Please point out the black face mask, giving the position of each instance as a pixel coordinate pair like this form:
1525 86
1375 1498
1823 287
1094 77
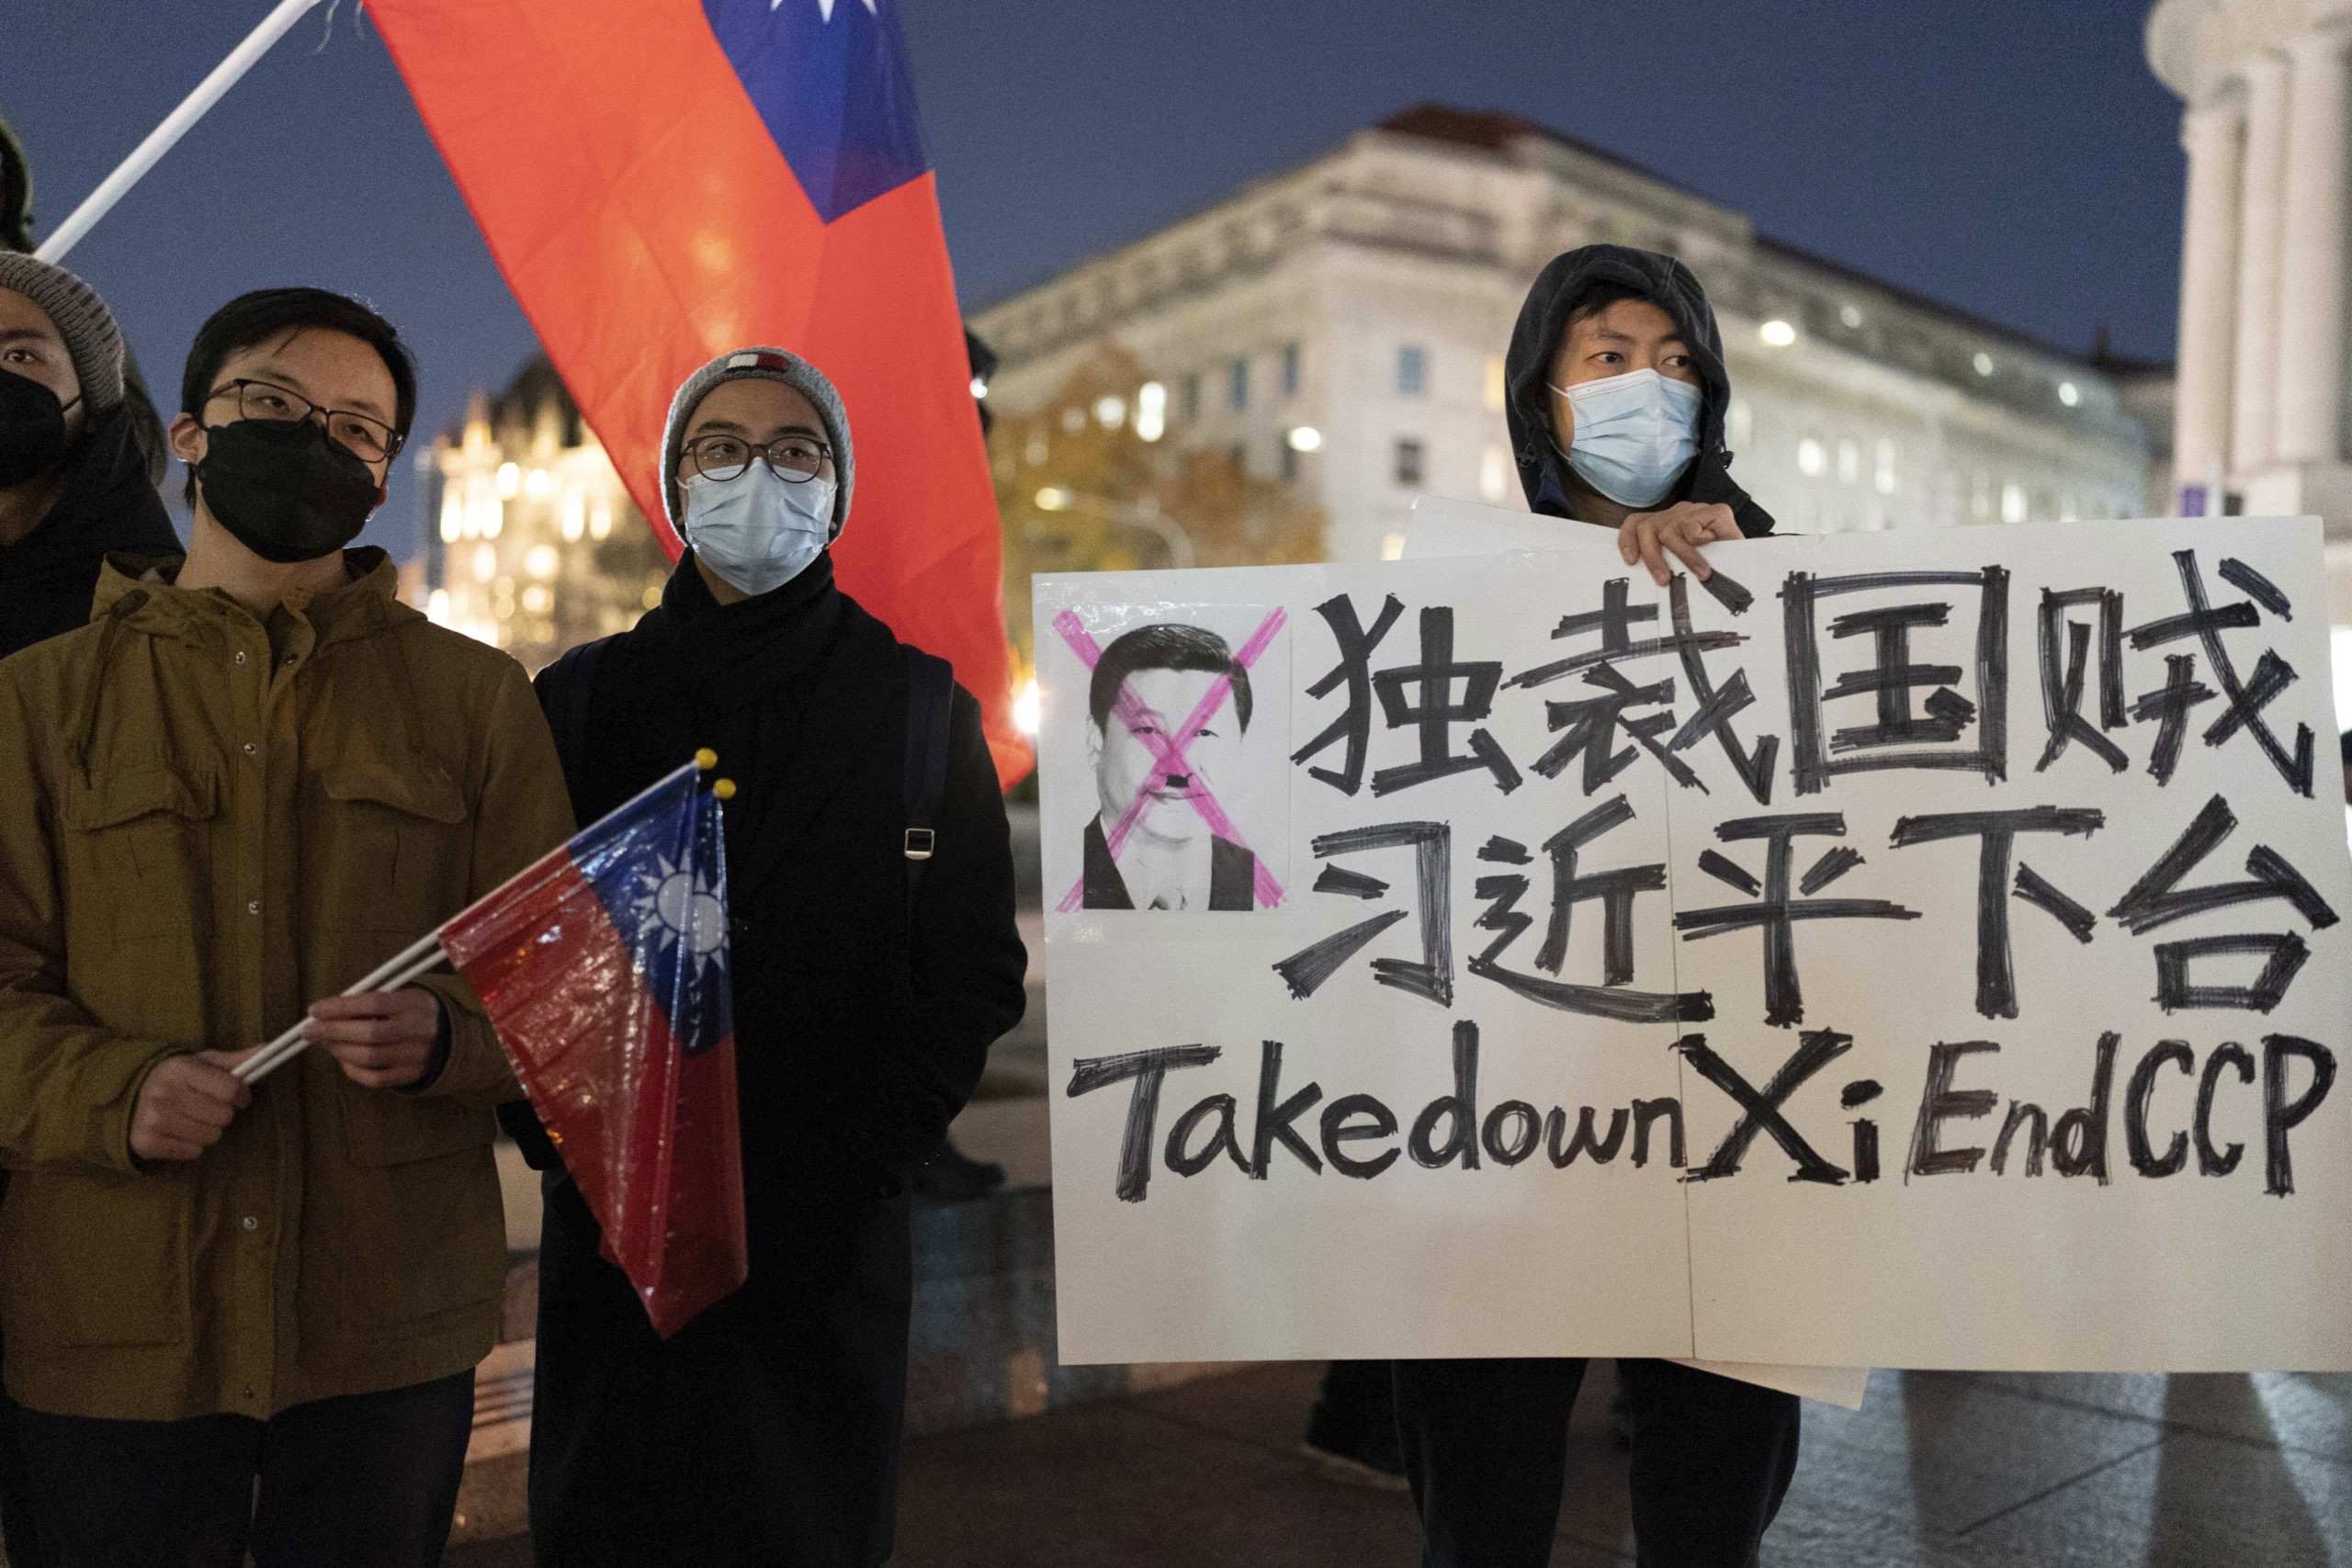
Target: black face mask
32 428
284 490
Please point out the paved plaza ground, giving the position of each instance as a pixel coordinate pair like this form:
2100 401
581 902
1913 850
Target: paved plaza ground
1938 1469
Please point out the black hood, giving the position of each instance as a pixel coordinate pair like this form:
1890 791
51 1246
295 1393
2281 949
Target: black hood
49 577
1670 286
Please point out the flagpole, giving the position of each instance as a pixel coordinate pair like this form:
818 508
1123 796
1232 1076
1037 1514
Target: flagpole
389 976
176 125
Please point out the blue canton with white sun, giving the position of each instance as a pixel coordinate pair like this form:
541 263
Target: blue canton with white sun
673 914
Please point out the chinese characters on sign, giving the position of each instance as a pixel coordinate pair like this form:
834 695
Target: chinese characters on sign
1758 968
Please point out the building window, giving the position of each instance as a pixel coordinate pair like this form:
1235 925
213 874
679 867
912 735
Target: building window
1392 547
1290 370
2013 508
1494 473
1237 384
1885 478
1497 384
1850 461
1412 370
1812 458
1289 463
1409 463
1192 399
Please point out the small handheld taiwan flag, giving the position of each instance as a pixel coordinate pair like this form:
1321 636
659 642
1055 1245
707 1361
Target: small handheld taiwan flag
604 967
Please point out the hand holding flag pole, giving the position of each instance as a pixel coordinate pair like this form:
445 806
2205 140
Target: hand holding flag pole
426 954
604 968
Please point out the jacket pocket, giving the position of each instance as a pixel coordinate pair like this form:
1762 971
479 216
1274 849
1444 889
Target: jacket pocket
94 1259
391 851
140 832
417 1216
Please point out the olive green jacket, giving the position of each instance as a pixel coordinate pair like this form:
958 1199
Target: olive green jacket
206 821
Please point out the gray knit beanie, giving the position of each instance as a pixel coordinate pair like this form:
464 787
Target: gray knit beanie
82 319
767 365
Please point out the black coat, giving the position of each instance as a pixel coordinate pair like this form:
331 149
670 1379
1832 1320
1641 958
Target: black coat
1535 338
49 577
766 1431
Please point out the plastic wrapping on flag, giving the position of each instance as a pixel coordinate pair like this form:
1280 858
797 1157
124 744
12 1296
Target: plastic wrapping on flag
604 968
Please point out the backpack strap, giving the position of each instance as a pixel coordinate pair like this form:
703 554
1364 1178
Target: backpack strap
564 689
931 700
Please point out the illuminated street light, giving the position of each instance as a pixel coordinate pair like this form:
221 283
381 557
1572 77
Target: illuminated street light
1777 334
1306 438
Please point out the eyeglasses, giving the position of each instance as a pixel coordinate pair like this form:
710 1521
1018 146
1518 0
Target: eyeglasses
795 459
369 440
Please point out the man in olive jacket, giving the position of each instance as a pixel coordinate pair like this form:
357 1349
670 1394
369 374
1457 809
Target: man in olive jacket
253 777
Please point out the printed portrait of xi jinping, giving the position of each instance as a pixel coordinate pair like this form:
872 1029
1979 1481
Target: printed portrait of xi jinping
1150 845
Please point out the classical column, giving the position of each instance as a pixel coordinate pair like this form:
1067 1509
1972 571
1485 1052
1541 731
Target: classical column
2208 276
2255 385
2310 261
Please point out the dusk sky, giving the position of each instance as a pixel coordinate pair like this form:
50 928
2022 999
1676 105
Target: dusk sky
2013 157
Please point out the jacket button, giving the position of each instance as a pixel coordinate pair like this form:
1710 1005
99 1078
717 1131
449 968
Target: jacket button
254 907
251 1223
240 656
251 748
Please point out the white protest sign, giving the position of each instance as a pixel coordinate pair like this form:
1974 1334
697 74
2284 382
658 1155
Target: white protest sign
1918 949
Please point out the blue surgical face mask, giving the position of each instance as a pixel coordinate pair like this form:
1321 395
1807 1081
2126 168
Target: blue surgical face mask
1636 435
755 530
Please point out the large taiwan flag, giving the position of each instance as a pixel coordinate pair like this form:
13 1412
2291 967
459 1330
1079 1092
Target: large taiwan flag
663 180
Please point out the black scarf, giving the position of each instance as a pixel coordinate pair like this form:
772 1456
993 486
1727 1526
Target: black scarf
49 577
695 672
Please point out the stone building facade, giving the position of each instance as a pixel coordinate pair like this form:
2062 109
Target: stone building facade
2261 416
1341 325
530 540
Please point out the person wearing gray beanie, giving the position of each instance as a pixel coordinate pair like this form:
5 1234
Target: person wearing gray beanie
763 364
74 482
873 956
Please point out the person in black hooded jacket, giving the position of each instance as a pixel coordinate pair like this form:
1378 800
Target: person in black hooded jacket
75 483
1617 394
766 1429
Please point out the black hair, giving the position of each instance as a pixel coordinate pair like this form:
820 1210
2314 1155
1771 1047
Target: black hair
2343 744
1164 647
253 318
1595 298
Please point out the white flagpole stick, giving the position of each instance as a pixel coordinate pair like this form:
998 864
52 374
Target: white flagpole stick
176 125
393 973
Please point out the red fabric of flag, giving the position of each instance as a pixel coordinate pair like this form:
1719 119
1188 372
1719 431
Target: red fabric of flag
661 181
604 968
